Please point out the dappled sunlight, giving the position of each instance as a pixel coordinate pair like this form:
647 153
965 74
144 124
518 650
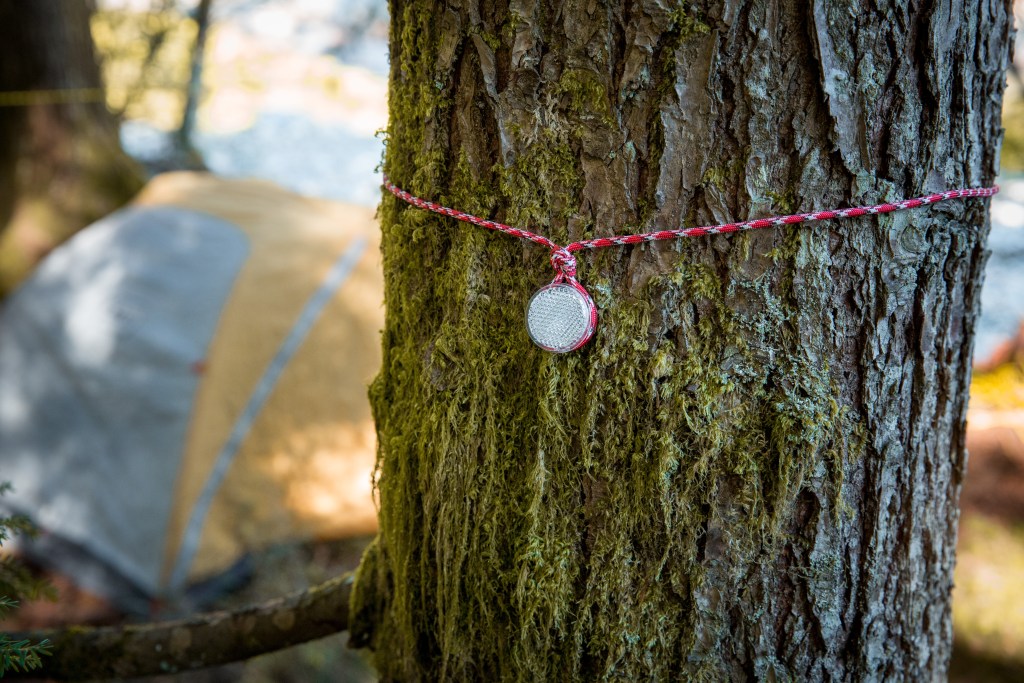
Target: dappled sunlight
246 77
286 87
330 486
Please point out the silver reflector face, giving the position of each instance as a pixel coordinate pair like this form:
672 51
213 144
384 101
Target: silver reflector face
560 318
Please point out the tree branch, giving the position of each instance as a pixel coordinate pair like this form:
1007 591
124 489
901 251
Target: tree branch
202 641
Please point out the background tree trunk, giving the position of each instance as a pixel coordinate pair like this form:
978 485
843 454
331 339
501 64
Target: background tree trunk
61 163
194 89
753 471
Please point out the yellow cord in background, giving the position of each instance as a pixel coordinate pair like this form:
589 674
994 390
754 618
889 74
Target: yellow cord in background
25 98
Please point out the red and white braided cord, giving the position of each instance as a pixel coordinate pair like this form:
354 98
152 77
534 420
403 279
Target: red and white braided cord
565 263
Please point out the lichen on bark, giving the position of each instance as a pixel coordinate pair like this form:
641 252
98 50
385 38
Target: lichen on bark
716 487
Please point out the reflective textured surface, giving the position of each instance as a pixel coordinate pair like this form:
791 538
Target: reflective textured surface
560 318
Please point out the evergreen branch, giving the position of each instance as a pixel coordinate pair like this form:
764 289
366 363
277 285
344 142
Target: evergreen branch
15 525
21 656
18 654
18 580
199 642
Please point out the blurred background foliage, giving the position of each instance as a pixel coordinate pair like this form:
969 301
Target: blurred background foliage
1013 121
145 58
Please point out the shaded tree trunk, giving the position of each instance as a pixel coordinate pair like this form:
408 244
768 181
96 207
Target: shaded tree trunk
752 472
61 163
194 89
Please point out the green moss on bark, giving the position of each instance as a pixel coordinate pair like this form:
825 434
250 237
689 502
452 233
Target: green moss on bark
556 517
586 93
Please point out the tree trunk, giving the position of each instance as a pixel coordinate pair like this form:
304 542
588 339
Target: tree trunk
752 471
194 90
61 163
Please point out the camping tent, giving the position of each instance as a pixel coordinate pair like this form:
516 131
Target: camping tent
185 381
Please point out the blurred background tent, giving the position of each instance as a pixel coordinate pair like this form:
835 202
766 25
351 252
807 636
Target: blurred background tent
185 380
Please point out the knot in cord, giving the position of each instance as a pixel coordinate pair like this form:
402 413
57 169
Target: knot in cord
564 262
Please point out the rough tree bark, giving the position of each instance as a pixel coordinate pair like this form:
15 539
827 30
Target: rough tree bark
753 471
61 163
